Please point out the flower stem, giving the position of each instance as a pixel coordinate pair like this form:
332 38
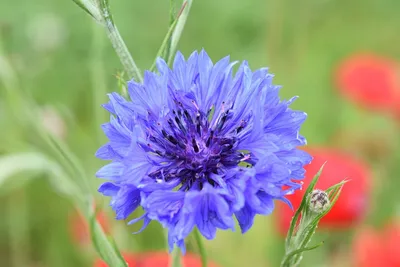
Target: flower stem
27 109
202 250
99 88
176 260
18 215
118 43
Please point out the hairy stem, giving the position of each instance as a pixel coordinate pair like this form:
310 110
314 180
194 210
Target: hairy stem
118 43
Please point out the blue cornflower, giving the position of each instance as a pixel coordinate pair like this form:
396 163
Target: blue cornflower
197 145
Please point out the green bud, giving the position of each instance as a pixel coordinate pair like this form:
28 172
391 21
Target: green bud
319 201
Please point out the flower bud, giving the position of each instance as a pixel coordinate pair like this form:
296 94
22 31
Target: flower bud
319 201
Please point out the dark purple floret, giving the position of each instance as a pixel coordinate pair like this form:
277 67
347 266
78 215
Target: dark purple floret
195 149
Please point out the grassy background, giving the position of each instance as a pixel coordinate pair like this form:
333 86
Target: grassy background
301 41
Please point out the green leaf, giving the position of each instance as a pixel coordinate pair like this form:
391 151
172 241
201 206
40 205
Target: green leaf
33 163
121 82
172 5
105 246
302 206
89 8
13 164
176 35
164 44
308 231
299 251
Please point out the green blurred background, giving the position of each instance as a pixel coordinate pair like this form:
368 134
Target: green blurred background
64 61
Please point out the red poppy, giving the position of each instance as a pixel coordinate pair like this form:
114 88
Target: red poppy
130 258
352 202
79 228
373 248
370 80
157 259
391 241
367 249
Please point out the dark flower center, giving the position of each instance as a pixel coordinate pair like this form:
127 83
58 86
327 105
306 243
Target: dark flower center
194 146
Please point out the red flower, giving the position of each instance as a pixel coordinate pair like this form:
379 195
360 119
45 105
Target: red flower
130 258
352 202
372 248
367 249
79 228
370 80
157 259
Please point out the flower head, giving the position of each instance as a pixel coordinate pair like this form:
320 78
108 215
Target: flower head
372 248
197 145
319 201
370 80
352 203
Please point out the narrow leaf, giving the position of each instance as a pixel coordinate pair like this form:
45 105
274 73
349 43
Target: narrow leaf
298 251
303 203
89 8
167 38
178 30
106 248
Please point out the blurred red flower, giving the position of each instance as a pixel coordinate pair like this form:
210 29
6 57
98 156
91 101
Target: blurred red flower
372 248
370 80
351 205
79 228
157 259
130 258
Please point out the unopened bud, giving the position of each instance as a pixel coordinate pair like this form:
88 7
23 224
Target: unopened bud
319 201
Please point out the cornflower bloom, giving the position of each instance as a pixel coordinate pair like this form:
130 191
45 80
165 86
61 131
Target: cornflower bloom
197 145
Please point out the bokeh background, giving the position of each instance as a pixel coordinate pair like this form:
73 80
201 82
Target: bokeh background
341 57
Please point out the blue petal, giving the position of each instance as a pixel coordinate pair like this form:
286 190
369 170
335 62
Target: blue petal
111 171
211 211
164 206
267 202
126 201
288 120
109 189
245 217
146 221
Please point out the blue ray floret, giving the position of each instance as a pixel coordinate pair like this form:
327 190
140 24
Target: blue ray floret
199 145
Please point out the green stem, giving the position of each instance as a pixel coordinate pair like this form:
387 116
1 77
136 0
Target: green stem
178 30
99 88
200 245
176 259
118 43
28 111
18 228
